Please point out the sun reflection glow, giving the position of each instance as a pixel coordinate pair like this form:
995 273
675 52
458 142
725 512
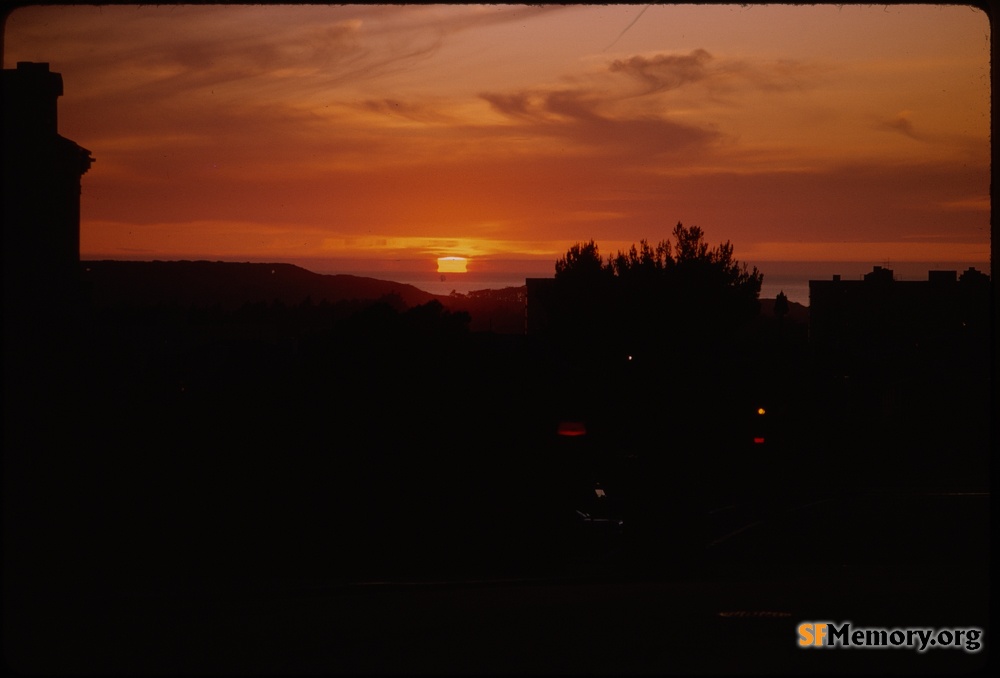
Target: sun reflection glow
452 265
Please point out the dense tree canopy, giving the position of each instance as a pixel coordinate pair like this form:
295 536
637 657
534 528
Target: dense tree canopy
688 260
653 299
655 333
583 260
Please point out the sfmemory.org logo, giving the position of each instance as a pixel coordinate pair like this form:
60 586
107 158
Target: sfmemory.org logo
828 635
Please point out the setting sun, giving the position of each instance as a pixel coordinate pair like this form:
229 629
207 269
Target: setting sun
452 265
368 138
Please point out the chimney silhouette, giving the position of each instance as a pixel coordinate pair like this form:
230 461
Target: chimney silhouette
30 101
41 192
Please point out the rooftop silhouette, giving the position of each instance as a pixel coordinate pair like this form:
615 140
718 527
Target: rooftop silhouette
42 180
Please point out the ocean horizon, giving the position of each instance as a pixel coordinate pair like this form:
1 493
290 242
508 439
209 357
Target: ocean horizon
790 277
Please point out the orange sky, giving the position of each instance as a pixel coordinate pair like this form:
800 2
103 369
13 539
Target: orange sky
301 133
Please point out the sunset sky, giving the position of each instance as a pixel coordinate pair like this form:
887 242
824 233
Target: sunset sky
313 134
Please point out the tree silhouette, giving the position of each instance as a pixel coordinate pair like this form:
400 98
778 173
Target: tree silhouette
657 360
662 319
689 260
780 305
645 261
582 262
653 295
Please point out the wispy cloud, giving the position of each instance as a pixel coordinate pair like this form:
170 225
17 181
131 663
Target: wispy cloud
503 123
514 103
665 71
406 109
576 115
902 124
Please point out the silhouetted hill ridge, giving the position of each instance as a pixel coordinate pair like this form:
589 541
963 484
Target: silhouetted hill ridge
112 283
231 285
797 313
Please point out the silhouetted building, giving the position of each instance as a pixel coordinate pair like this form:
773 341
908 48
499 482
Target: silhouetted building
879 276
880 324
41 193
536 309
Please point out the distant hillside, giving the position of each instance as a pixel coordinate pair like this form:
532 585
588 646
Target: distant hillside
231 285
797 313
493 310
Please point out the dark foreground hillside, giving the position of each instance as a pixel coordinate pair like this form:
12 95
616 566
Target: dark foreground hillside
228 286
358 436
166 448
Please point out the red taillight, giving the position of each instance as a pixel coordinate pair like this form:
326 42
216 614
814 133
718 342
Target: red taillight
758 441
572 428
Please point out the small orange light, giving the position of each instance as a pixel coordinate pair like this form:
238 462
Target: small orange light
760 410
758 441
